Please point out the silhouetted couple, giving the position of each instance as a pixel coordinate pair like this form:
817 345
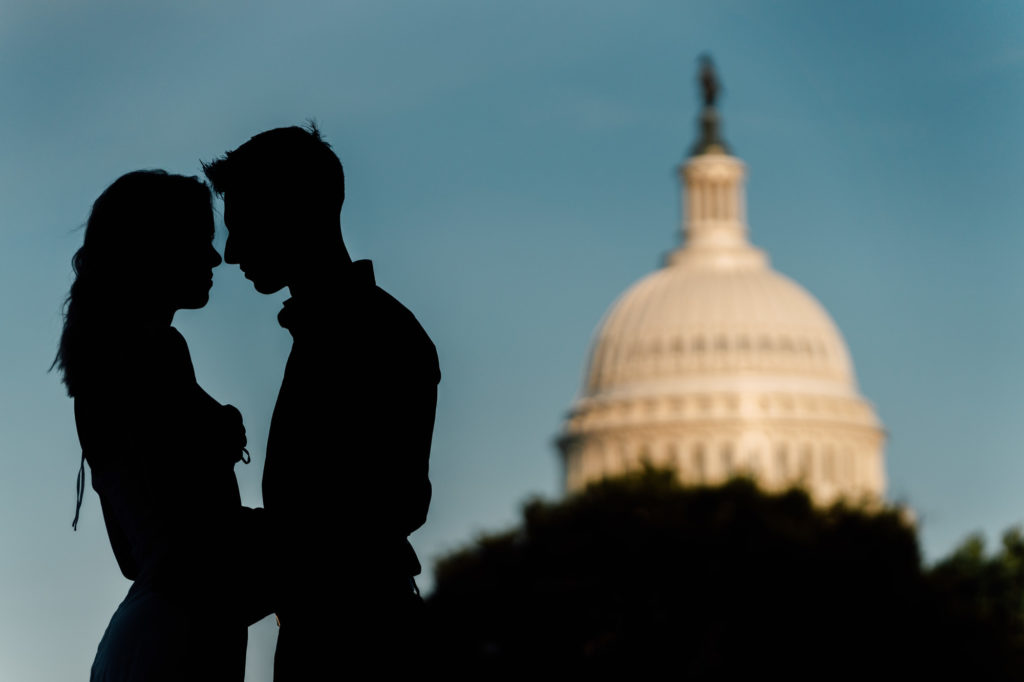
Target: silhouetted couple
346 463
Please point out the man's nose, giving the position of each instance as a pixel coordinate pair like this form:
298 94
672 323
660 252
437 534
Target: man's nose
215 258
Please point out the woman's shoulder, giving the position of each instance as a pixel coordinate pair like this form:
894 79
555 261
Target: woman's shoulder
143 395
164 344
154 350
136 363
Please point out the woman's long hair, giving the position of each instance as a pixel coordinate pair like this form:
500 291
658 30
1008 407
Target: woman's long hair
126 237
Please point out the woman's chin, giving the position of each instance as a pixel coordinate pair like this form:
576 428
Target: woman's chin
196 301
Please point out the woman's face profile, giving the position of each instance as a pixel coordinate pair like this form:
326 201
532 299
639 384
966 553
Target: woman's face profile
186 275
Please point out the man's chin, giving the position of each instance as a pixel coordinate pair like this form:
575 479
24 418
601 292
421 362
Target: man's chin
268 288
263 284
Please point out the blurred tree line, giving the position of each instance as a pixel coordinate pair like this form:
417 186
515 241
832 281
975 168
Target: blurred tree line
641 577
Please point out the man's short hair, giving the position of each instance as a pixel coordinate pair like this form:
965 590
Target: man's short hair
291 158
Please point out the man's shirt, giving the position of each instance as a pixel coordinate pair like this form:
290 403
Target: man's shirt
347 455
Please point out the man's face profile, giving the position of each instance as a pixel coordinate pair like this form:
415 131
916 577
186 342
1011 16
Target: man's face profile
255 230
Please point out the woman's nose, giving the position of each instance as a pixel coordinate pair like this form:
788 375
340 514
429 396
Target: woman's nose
215 258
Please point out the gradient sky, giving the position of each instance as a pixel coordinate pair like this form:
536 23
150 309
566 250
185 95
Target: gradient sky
510 172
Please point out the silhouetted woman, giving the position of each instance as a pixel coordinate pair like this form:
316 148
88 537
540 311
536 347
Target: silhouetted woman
161 451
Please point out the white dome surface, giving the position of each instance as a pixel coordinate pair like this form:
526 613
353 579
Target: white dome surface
683 323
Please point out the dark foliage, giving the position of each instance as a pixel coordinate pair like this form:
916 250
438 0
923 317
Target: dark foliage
641 576
984 602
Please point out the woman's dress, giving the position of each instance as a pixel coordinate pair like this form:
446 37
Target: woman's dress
162 455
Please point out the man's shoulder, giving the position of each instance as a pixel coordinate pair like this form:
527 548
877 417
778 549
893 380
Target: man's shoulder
371 327
392 313
395 329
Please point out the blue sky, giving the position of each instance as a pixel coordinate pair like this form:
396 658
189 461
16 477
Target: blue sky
510 172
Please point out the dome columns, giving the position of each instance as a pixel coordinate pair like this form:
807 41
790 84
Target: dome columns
714 223
829 465
713 203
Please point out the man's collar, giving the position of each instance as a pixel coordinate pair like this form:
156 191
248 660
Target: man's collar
361 273
349 282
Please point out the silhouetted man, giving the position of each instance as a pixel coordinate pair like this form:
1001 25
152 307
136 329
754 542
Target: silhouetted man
346 470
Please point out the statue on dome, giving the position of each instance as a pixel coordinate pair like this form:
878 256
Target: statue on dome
709 80
709 138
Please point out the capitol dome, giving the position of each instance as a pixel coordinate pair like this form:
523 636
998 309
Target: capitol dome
717 366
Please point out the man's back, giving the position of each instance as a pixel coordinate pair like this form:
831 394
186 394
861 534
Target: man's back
347 459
